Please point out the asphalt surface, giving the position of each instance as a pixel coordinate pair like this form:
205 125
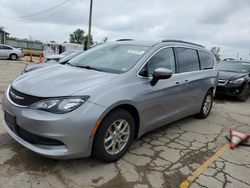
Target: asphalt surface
162 158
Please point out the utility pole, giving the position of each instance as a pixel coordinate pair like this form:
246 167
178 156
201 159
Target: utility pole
4 36
83 41
90 23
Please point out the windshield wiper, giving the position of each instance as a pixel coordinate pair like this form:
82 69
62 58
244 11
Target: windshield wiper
89 67
68 63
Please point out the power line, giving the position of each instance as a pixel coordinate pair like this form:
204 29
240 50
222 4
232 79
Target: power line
33 19
41 12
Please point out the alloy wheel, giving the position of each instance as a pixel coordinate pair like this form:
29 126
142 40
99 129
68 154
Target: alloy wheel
207 104
117 136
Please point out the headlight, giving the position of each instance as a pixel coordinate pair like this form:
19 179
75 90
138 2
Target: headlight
238 81
59 105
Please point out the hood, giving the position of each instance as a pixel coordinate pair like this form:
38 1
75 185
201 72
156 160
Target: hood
59 80
227 75
38 66
34 67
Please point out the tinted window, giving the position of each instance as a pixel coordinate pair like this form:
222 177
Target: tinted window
207 60
162 59
6 48
188 59
234 67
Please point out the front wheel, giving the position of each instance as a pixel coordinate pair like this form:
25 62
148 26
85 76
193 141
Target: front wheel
244 94
13 57
114 136
206 105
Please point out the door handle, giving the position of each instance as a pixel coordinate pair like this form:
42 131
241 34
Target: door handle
182 82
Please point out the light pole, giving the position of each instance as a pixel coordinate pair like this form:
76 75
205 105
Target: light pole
90 23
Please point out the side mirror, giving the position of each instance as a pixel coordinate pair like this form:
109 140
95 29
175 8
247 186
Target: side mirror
160 74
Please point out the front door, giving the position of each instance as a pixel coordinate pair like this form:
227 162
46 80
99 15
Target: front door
162 103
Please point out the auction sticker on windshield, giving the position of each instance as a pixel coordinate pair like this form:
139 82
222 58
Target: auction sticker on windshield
137 52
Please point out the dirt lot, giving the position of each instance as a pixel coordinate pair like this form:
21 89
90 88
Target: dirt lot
162 158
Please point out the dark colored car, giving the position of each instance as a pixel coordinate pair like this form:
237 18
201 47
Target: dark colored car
234 79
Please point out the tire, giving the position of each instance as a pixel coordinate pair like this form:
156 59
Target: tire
244 94
13 57
207 105
101 149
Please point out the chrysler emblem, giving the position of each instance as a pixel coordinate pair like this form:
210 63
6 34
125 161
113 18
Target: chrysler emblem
16 96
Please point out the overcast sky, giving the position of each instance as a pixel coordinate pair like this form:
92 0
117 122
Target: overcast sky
224 23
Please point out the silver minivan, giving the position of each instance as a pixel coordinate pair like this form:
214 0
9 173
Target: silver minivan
98 102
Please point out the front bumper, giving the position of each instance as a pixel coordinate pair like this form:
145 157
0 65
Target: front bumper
229 89
73 130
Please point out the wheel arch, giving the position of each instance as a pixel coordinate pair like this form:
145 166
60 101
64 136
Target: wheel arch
131 109
211 89
13 54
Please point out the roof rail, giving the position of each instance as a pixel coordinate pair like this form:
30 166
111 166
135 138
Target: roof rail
181 41
124 39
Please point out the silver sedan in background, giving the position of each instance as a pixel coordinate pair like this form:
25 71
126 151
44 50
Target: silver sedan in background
9 52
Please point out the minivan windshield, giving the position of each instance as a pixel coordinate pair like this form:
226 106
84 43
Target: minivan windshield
113 58
234 67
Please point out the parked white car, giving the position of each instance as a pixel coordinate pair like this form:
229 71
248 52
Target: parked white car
8 52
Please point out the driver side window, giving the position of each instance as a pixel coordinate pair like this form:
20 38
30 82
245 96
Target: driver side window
162 59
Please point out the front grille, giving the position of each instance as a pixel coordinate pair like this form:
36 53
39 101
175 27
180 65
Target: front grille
222 82
21 98
35 139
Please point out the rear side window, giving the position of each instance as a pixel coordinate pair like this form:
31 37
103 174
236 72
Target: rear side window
162 59
207 60
188 60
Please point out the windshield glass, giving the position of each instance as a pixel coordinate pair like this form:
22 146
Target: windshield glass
114 58
234 67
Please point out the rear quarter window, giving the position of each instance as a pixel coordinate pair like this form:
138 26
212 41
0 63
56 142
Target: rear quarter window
206 60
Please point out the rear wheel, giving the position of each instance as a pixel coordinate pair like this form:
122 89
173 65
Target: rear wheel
244 94
206 105
13 57
114 136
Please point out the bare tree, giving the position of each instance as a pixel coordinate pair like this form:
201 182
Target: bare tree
216 52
